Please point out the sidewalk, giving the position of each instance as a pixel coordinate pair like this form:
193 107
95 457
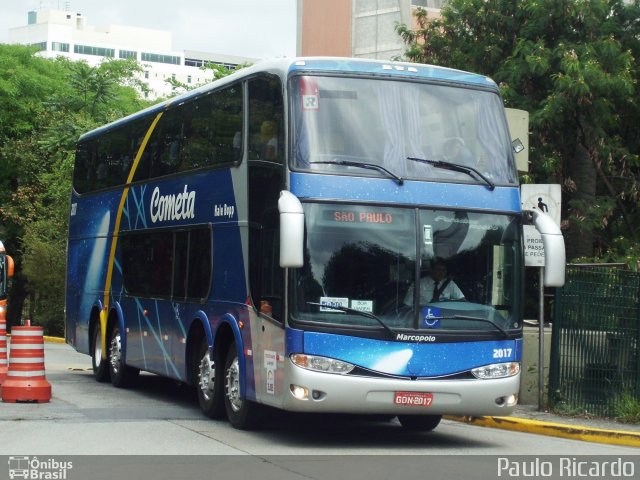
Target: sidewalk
527 418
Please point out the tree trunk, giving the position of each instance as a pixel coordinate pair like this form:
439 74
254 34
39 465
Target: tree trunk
580 236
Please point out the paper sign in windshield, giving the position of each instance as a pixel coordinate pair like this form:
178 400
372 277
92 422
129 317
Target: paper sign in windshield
327 302
361 305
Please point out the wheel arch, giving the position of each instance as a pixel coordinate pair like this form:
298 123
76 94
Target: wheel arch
229 326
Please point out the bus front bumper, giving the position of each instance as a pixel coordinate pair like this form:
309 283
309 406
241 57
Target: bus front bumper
310 391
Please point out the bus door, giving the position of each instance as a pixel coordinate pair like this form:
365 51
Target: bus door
269 359
268 296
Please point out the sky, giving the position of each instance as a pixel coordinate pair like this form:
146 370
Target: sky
248 28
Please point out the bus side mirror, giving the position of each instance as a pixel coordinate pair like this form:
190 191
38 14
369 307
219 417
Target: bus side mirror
554 254
9 266
291 230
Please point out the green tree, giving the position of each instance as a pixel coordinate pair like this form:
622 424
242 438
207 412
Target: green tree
45 105
571 64
218 70
44 223
26 83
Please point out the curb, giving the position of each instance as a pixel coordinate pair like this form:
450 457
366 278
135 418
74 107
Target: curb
574 432
53 339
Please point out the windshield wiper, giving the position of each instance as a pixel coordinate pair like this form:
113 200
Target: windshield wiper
456 167
370 166
357 312
468 317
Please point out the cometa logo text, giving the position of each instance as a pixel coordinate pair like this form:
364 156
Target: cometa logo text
172 207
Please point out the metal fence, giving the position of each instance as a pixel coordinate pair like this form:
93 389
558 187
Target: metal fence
595 362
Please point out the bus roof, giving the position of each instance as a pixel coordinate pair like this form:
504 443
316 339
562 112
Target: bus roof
388 68
315 65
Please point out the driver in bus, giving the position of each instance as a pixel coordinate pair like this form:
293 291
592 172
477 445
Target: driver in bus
436 287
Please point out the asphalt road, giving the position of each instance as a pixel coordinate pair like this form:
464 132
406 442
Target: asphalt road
162 418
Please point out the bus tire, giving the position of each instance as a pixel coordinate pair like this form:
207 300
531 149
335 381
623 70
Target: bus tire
243 414
121 375
100 366
209 382
419 423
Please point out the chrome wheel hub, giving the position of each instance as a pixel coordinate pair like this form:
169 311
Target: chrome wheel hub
206 376
233 385
115 352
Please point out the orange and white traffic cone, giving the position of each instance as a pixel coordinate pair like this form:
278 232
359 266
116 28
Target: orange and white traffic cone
25 381
3 345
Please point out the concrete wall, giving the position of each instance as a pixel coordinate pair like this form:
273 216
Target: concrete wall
374 34
530 365
324 28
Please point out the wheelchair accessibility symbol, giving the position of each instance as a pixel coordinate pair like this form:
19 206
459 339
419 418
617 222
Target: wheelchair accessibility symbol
431 317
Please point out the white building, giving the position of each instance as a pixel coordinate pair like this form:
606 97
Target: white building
63 33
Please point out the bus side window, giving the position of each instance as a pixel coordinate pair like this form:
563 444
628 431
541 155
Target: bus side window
266 120
226 124
165 264
85 169
192 264
266 180
200 269
266 276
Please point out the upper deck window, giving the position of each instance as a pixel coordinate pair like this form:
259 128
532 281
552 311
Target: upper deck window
204 132
383 122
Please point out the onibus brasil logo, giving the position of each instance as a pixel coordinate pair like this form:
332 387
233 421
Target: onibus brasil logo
38 469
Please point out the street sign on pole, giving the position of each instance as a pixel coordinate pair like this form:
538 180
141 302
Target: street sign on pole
546 198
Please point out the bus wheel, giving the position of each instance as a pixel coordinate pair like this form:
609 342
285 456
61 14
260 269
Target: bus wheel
209 382
242 414
121 374
419 423
100 366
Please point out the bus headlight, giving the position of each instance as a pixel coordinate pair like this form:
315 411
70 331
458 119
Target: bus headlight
321 364
497 370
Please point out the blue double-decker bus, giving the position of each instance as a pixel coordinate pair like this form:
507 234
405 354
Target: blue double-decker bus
313 234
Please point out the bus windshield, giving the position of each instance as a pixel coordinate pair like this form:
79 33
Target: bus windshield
366 260
339 123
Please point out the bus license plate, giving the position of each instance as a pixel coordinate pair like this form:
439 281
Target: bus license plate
413 399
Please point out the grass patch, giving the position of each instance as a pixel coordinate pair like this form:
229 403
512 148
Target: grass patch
627 409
